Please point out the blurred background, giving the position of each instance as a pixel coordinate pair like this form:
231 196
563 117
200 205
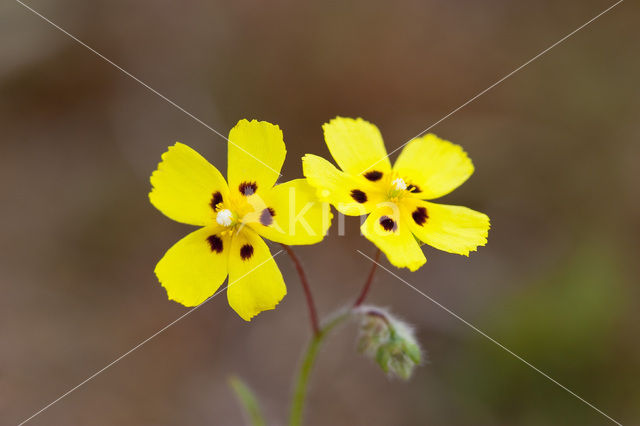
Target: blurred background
556 153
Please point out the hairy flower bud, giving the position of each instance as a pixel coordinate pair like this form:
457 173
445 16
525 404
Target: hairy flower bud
390 342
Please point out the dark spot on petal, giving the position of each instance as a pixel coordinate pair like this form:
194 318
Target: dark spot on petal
266 217
248 188
413 188
373 175
216 199
246 252
387 223
359 196
215 243
420 216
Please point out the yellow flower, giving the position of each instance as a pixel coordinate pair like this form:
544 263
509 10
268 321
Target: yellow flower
233 217
427 168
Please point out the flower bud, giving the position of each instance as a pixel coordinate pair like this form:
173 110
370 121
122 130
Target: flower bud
390 342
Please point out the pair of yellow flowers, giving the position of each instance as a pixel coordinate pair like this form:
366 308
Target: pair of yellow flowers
234 216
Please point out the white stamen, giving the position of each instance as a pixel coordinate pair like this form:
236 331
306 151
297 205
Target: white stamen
399 184
224 217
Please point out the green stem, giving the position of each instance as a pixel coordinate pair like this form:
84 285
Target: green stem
302 382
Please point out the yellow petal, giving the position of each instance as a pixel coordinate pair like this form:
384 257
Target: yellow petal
386 229
453 229
255 282
356 145
292 214
256 154
195 267
184 186
434 165
351 195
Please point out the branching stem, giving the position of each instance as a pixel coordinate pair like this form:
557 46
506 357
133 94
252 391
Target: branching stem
302 381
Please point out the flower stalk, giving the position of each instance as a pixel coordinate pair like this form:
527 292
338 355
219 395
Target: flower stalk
313 313
367 284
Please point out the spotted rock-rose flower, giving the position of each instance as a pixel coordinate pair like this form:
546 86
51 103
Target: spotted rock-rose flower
233 219
395 198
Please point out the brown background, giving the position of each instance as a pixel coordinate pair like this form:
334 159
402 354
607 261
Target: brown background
556 154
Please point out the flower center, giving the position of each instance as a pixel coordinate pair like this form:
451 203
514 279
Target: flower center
224 217
399 184
397 188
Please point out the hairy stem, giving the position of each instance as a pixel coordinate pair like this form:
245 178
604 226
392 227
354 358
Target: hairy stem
302 381
367 284
313 314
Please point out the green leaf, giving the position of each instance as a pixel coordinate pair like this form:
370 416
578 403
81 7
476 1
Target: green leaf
248 401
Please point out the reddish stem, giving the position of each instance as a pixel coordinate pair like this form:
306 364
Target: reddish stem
313 314
367 283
